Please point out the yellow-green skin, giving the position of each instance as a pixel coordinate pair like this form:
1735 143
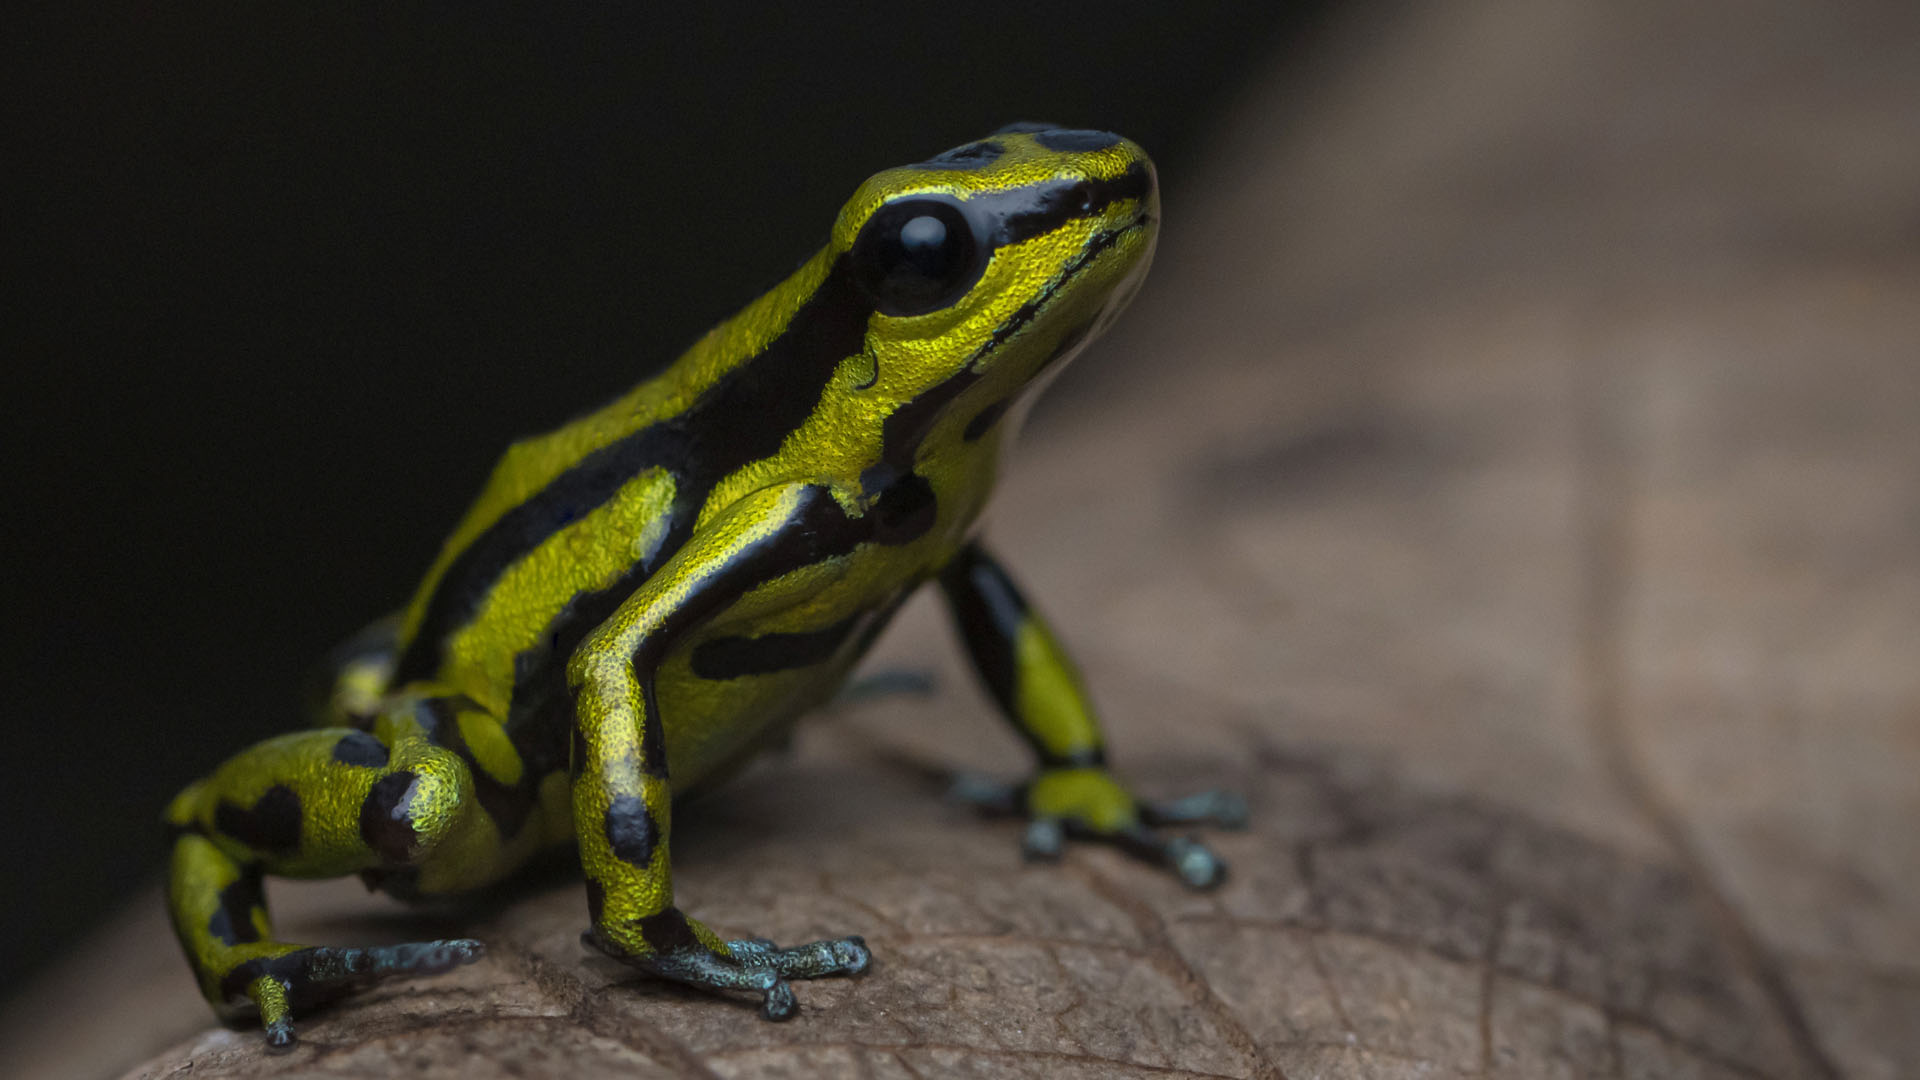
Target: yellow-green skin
640 599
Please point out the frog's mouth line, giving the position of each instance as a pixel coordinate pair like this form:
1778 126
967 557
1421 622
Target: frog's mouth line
1031 309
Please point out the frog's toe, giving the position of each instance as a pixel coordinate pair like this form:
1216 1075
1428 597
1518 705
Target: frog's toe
1189 857
754 964
994 798
1089 805
269 995
319 973
355 965
1044 840
702 968
771 966
1191 860
1225 809
834 956
779 1004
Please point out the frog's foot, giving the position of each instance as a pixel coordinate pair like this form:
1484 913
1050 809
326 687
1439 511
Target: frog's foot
754 964
1086 802
303 976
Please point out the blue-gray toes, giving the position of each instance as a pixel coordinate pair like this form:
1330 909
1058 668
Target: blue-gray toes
322 972
1225 809
1195 863
1043 840
987 795
780 1004
1191 860
835 956
757 964
888 682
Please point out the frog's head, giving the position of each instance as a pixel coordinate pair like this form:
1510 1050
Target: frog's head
986 268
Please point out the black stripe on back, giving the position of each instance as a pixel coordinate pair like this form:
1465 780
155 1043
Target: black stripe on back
742 417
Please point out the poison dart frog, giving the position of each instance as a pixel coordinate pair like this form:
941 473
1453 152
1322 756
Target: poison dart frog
645 596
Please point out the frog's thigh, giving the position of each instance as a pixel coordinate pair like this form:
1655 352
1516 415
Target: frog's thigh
328 802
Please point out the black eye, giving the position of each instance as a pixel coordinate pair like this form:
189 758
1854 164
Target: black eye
916 256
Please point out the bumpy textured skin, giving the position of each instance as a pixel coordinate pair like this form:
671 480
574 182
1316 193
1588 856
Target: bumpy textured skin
640 599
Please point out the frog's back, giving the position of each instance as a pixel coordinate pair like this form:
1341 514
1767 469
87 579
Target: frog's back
573 520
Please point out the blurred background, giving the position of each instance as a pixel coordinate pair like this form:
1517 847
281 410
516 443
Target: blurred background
286 280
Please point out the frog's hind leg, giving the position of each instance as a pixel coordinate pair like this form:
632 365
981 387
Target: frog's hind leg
220 915
1028 673
314 804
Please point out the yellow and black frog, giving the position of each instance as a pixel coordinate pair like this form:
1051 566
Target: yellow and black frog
642 598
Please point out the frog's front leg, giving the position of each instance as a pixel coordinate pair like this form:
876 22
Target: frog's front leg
622 795
1037 687
319 803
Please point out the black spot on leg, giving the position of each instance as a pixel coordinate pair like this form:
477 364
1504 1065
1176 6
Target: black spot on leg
631 831
232 921
360 749
271 825
668 932
385 823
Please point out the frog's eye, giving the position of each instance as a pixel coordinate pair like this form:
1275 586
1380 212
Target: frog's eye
917 255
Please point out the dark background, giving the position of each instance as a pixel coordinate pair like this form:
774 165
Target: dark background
285 281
